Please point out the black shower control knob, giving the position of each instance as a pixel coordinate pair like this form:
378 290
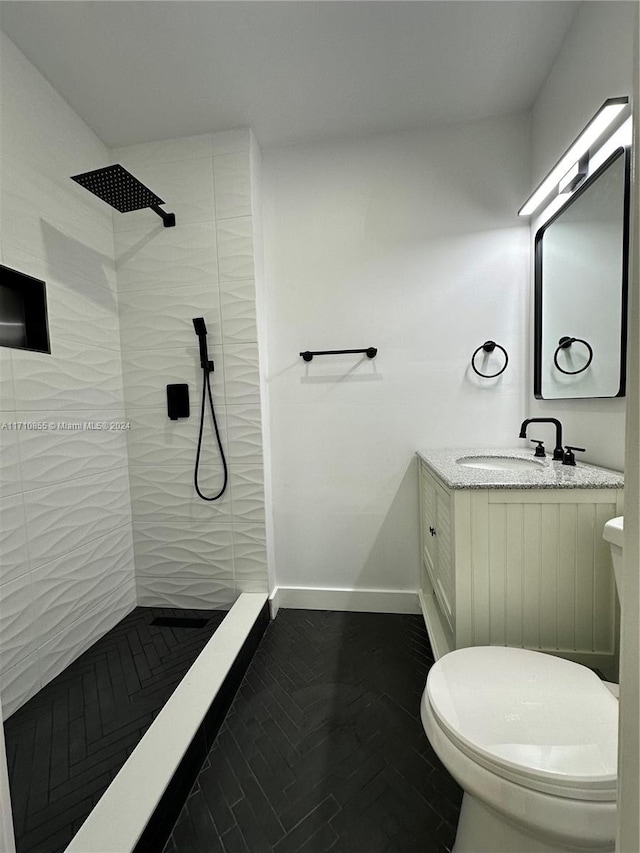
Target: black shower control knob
432 531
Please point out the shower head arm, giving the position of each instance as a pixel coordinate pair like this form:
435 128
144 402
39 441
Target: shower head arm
169 219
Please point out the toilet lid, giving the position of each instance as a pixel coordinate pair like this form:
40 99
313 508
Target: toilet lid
534 718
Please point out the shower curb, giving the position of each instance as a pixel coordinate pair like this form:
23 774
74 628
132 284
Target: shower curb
138 810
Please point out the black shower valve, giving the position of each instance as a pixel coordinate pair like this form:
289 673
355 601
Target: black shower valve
178 401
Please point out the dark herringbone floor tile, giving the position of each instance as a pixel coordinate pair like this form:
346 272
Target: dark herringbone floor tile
323 748
66 744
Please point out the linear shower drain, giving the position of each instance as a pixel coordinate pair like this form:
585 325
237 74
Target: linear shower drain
179 622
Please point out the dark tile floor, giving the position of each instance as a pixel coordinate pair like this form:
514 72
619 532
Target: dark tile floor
323 747
66 744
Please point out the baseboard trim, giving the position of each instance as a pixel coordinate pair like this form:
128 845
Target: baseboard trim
138 810
274 603
355 600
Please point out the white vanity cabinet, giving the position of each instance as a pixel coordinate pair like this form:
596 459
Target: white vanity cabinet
521 567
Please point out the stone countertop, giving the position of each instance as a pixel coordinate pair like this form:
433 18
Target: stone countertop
551 475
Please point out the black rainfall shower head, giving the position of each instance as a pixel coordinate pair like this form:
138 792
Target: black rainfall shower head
200 326
119 188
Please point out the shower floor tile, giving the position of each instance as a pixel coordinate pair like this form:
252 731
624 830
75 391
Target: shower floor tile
323 747
69 741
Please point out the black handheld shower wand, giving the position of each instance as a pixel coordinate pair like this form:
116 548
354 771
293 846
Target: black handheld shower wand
207 367
201 331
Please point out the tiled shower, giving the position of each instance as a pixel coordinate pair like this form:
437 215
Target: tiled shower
189 552
96 520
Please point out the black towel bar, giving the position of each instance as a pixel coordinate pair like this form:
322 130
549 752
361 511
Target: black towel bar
307 355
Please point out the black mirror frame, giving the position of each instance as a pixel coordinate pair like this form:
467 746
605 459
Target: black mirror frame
537 334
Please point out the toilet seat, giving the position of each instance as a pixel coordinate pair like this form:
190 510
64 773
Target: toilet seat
542 722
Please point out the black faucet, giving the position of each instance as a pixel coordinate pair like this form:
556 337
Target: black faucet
558 453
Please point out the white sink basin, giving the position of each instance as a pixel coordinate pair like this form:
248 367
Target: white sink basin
499 463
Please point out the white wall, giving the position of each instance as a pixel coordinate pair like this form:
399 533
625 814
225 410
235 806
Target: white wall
409 242
596 62
65 519
191 553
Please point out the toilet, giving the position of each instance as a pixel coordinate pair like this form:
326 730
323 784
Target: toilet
532 739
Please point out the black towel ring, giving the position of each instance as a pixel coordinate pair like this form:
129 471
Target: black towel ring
564 343
489 346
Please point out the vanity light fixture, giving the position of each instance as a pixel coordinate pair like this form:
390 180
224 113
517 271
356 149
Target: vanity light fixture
574 177
609 116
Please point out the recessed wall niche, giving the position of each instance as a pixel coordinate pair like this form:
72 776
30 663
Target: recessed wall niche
23 311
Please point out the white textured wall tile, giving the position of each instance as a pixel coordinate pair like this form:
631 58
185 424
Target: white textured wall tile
60 233
166 151
155 440
186 187
155 319
82 313
17 621
184 553
196 549
66 588
49 136
244 434
235 248
238 318
242 379
228 141
7 401
76 638
231 177
201 593
168 495
66 516
250 557
247 490
19 684
71 447
151 259
99 273
10 474
147 374
14 555
238 290
52 216
70 378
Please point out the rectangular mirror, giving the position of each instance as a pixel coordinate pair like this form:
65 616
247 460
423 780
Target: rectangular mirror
581 274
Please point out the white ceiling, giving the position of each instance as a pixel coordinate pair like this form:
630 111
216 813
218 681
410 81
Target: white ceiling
293 71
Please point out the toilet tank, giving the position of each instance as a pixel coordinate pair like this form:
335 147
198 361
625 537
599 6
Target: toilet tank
614 534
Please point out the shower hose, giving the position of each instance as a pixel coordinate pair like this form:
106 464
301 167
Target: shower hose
206 390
